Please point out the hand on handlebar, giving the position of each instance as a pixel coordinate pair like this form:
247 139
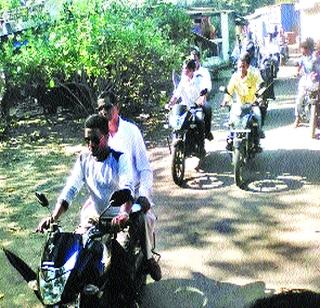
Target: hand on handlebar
120 220
44 224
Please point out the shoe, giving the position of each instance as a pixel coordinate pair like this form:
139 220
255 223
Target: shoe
209 136
261 134
154 269
296 122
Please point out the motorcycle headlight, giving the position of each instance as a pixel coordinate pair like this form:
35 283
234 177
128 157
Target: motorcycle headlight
52 281
52 285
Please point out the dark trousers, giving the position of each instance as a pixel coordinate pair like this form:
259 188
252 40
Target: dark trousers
207 110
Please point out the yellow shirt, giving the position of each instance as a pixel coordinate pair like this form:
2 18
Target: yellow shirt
245 88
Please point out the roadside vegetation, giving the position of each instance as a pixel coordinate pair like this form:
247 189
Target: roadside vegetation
88 48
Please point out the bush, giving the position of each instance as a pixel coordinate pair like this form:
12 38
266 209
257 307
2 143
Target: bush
93 47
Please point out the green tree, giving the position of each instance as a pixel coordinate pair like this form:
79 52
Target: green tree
95 46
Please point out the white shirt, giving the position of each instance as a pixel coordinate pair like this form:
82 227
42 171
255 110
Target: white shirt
206 78
128 139
101 178
189 89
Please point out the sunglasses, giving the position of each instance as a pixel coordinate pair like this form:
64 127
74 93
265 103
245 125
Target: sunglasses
93 139
104 107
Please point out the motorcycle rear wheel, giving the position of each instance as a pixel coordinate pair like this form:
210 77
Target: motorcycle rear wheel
238 165
178 163
313 120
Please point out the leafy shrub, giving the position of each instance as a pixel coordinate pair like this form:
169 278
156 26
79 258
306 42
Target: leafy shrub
95 46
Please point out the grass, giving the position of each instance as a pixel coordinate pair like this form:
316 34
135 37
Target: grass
37 157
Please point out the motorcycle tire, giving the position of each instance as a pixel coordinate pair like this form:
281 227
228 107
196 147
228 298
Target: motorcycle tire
313 120
238 165
178 163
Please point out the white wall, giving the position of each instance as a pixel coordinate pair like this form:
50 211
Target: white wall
310 23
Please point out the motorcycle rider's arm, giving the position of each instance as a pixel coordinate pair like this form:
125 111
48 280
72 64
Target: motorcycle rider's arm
59 209
177 93
144 169
125 182
74 183
229 91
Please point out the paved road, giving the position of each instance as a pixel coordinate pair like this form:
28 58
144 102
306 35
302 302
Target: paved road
224 247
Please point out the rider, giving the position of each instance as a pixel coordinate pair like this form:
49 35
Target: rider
126 137
191 89
103 170
207 84
305 67
245 83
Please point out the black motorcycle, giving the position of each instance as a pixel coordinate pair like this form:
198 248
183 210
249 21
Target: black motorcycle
243 140
311 110
187 137
90 269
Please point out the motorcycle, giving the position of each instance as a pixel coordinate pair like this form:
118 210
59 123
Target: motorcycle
275 63
90 269
187 137
311 110
244 138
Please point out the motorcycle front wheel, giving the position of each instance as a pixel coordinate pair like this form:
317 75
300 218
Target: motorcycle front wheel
178 163
238 165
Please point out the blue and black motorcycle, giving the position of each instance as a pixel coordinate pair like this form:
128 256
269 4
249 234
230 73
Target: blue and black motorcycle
90 269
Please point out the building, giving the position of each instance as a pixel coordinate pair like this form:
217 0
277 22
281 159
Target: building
265 19
309 18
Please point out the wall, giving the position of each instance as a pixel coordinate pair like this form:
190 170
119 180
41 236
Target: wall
309 23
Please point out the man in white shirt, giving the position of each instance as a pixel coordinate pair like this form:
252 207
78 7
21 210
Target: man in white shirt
191 91
103 170
206 84
126 137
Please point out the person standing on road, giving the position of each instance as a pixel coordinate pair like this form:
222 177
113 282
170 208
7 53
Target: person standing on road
126 137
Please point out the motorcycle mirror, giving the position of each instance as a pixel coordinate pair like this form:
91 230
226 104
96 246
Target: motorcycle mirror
42 199
120 197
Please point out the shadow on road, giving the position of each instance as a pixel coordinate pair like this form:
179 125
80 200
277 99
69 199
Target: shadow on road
283 170
279 117
201 291
214 171
271 171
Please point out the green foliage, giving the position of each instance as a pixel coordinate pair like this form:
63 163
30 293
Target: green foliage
94 46
8 4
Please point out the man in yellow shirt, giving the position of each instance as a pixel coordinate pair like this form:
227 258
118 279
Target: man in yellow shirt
245 82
